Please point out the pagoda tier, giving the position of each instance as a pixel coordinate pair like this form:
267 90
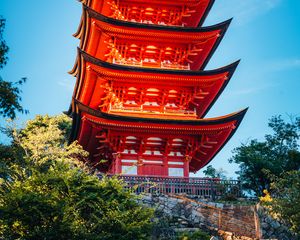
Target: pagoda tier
148 46
190 13
156 93
142 146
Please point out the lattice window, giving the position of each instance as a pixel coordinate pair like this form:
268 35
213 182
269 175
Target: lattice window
176 172
129 170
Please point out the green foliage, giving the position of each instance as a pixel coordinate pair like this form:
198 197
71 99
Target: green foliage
211 172
9 91
3 46
45 195
44 141
197 235
10 98
286 199
278 153
66 203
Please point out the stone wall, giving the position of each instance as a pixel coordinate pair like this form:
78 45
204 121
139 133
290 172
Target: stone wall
232 222
272 228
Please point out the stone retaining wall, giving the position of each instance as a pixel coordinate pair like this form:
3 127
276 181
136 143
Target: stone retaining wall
273 229
232 222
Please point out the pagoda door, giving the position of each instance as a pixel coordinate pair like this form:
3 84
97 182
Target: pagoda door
153 170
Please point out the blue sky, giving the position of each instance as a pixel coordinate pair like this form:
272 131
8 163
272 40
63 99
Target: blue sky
265 34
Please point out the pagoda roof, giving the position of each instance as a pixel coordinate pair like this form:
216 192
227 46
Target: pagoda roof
194 16
98 16
213 82
207 38
88 57
176 124
219 130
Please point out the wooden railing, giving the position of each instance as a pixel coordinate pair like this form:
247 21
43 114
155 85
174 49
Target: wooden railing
203 187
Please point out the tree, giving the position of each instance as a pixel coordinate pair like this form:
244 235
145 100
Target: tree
9 91
45 195
3 46
67 203
211 172
286 199
197 235
278 153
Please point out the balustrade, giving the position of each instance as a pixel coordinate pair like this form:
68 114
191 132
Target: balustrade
202 187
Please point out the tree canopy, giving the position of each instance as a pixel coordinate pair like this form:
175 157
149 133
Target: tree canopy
3 46
286 198
10 92
212 172
45 195
276 154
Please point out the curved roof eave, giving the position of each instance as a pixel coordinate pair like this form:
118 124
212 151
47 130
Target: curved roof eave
230 68
203 18
237 116
238 123
209 7
92 13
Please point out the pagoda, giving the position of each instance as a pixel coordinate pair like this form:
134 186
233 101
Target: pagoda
141 92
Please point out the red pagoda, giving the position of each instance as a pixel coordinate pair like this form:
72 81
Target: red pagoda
141 91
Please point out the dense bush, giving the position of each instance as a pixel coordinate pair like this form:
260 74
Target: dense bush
197 235
45 195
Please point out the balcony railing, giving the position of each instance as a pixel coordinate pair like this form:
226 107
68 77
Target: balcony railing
212 188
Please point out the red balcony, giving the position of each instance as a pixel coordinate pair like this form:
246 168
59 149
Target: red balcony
212 188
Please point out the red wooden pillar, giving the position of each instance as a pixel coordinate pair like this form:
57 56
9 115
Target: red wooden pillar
187 166
118 164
